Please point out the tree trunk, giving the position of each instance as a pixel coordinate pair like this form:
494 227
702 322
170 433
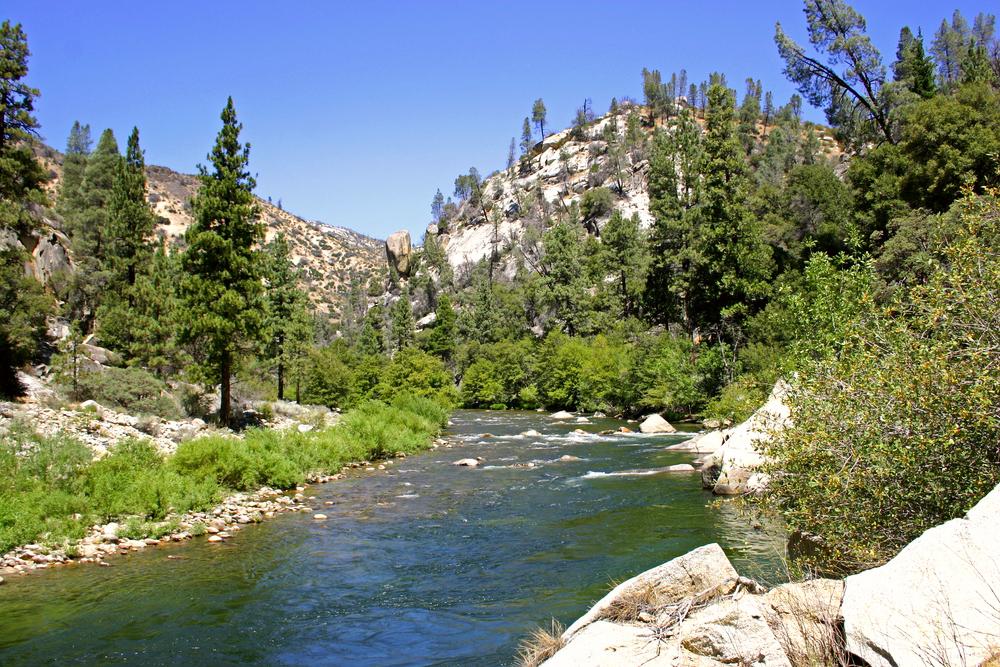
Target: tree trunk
226 373
281 381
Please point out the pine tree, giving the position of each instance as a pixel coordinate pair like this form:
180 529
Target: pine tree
371 340
437 206
538 116
913 68
949 47
288 326
564 281
23 303
128 249
402 330
626 256
527 141
511 155
130 219
734 267
443 338
78 148
222 291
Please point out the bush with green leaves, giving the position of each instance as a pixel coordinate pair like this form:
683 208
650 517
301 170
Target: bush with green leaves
413 371
898 431
130 389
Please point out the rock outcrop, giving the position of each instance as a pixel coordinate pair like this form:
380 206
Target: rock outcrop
399 252
696 610
937 602
731 470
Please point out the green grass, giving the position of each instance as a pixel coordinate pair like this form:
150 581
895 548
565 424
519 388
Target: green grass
51 491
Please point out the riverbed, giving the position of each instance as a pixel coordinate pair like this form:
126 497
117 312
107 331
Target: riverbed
424 563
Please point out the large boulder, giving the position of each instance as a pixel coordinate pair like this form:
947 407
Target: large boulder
733 632
700 573
805 618
399 251
732 466
654 423
703 443
937 602
606 644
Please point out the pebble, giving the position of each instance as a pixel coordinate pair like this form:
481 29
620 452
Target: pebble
214 538
319 517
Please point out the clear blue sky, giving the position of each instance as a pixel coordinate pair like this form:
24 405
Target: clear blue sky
358 111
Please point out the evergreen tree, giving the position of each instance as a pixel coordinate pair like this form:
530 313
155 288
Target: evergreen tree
128 249
565 283
88 226
288 326
371 340
538 116
734 271
913 68
511 155
626 256
78 148
222 290
949 47
23 303
402 330
437 206
749 115
443 338
853 97
527 141
976 65
130 219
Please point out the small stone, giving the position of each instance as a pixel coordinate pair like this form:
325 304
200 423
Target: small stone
215 538
471 463
568 457
381 467
319 517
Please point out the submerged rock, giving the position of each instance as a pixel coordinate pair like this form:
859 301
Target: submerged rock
470 463
562 414
531 433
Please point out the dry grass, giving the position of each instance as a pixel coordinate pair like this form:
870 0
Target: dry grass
634 604
540 645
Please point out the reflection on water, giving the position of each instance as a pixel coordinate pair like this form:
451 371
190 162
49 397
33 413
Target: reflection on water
424 563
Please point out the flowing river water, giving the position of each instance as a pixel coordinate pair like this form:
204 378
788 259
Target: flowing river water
424 563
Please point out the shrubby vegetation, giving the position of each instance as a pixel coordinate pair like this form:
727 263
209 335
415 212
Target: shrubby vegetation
899 430
52 491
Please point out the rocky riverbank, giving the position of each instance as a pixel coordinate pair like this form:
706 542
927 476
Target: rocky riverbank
936 603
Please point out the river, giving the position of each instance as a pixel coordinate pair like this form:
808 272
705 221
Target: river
424 563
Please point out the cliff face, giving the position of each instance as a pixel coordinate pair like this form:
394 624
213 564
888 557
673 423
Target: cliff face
327 256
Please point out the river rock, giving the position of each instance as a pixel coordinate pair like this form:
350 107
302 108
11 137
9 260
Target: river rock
531 433
680 467
939 598
568 457
319 517
470 463
606 644
656 424
582 420
562 414
215 538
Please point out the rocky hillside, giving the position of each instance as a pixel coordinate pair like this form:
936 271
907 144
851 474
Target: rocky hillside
326 255
557 174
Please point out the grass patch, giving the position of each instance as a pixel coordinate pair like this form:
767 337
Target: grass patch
51 491
540 645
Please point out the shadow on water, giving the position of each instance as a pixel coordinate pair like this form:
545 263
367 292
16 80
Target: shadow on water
423 564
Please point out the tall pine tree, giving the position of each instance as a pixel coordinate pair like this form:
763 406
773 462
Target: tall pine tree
289 328
222 292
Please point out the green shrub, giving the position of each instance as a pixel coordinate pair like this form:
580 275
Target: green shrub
416 372
132 390
898 432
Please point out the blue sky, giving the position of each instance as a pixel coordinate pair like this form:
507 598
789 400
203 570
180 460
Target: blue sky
357 112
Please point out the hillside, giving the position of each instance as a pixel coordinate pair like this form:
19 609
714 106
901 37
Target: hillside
559 171
327 256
